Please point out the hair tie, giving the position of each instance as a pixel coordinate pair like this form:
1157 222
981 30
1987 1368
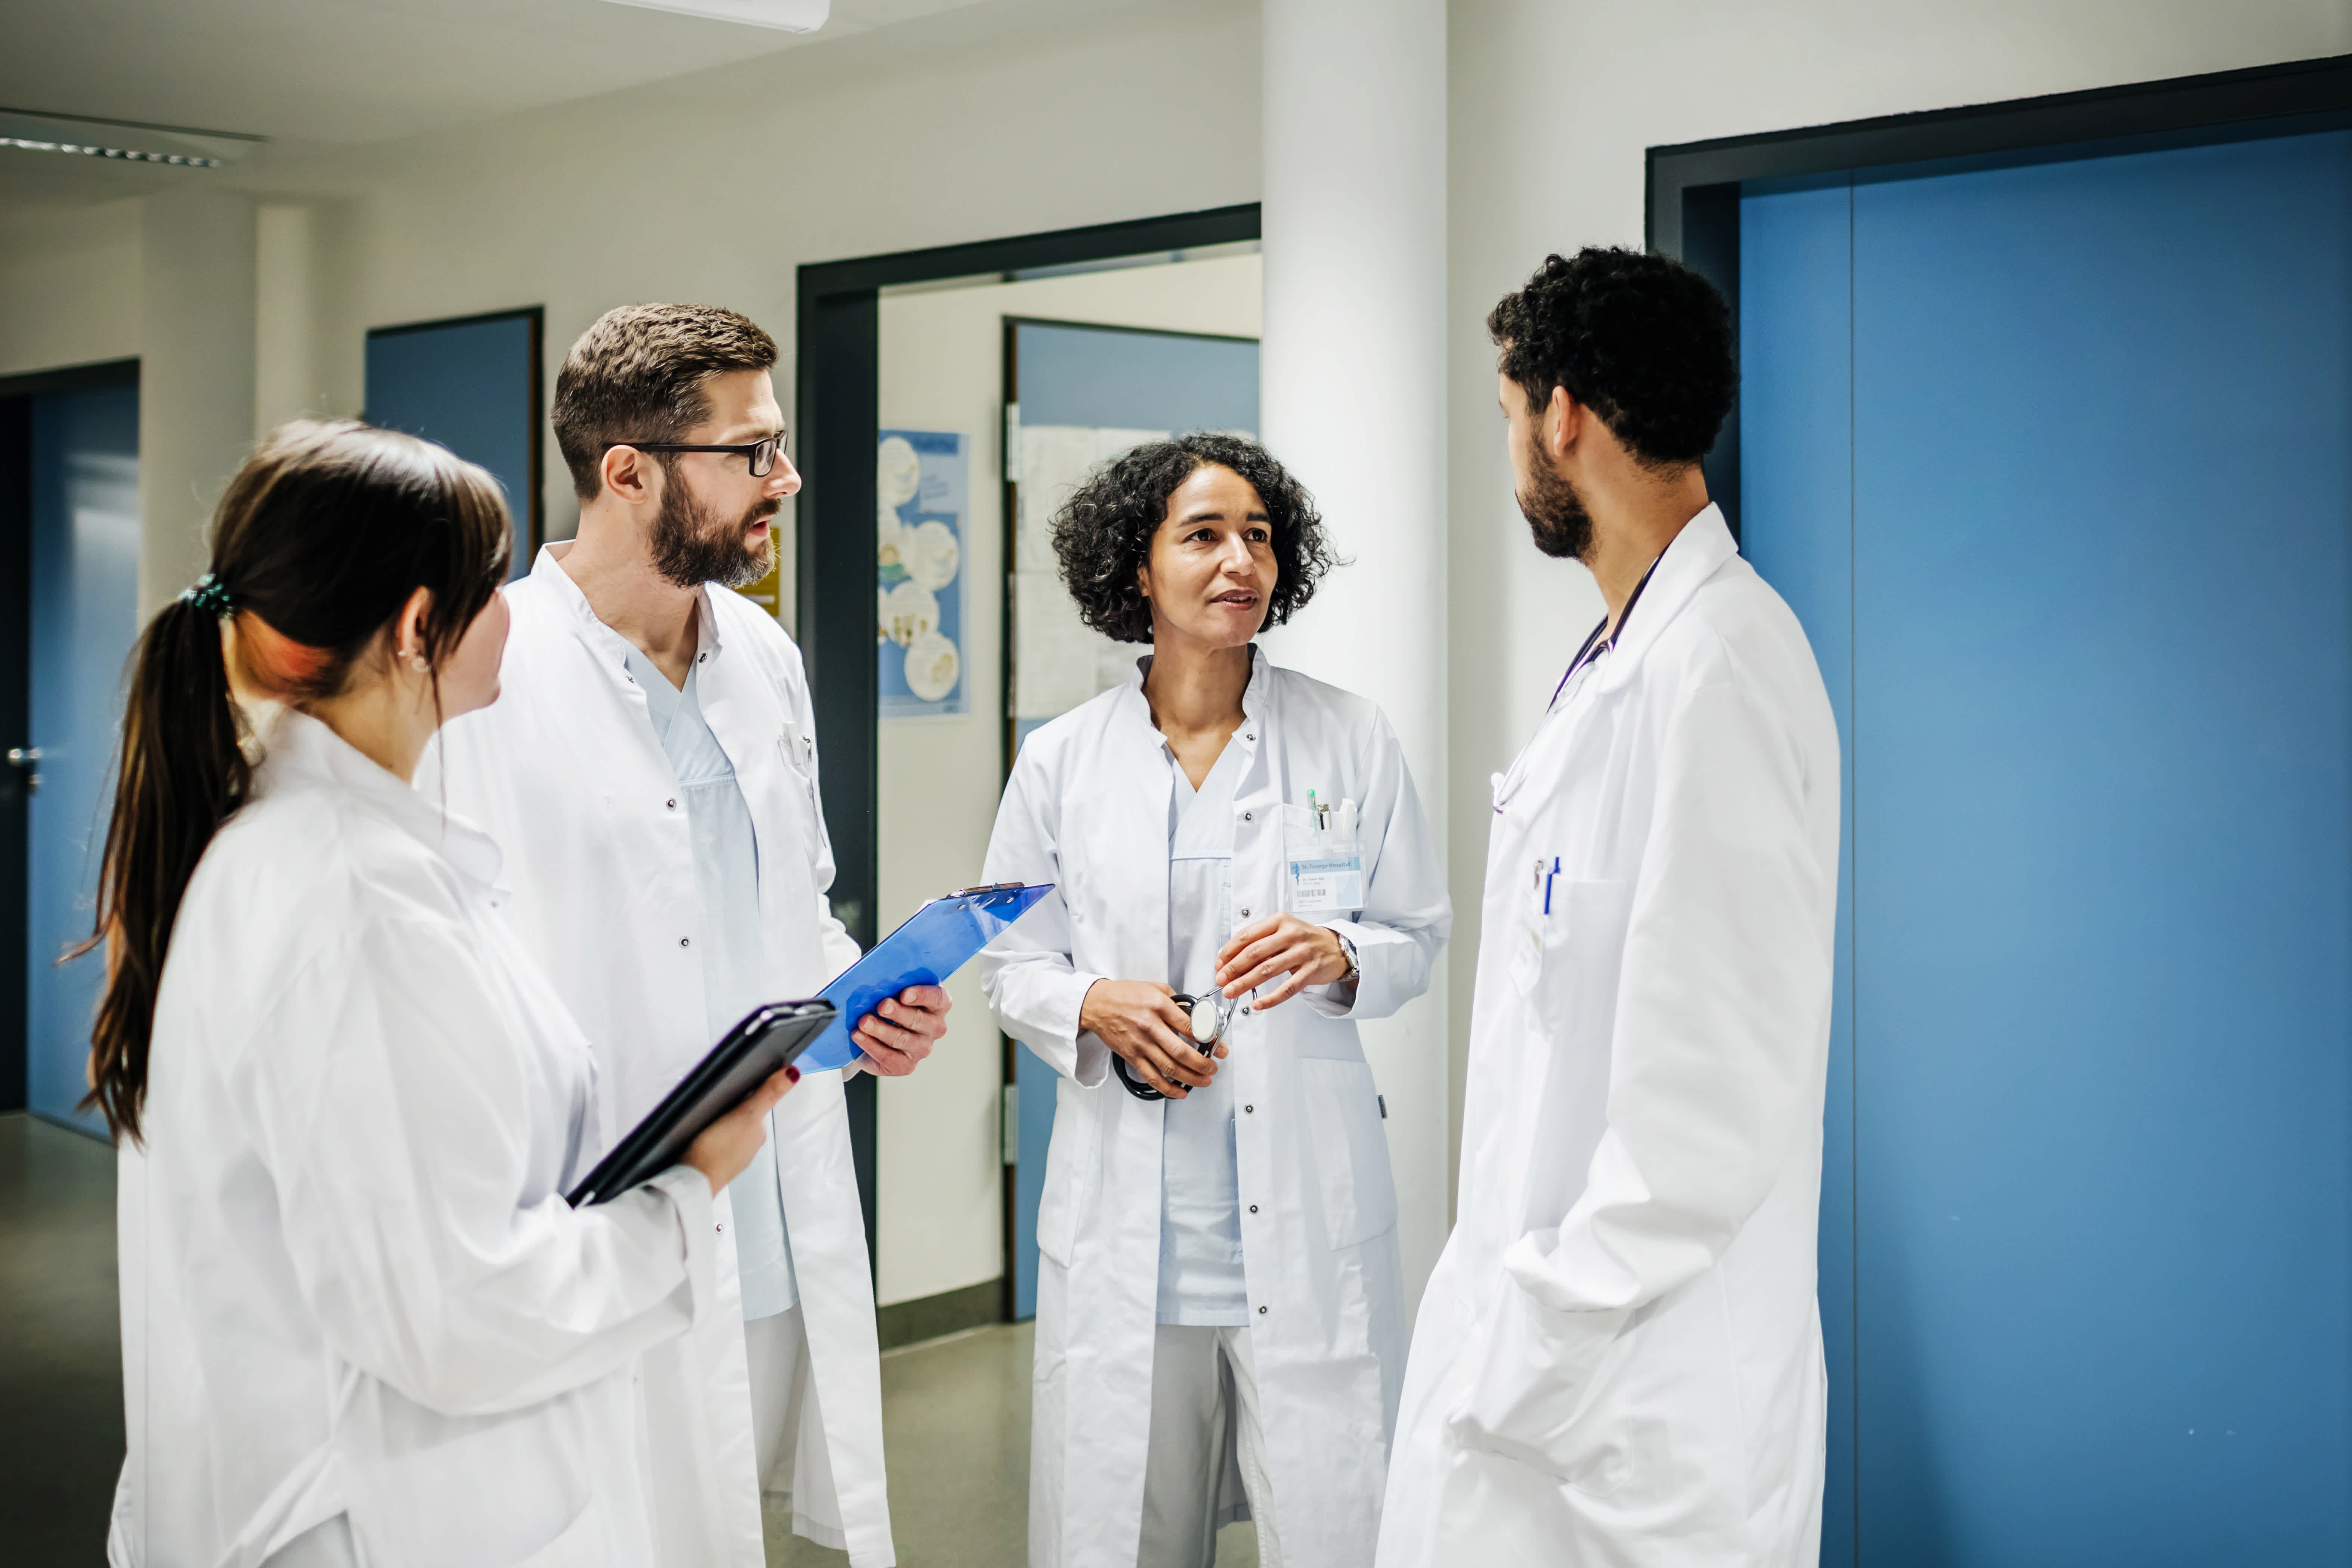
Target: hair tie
210 595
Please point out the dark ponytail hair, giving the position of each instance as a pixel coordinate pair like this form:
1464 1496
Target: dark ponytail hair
319 544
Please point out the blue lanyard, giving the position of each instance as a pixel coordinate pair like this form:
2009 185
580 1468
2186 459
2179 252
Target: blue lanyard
1593 646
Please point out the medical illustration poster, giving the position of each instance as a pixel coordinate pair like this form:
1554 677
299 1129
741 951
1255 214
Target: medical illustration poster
922 487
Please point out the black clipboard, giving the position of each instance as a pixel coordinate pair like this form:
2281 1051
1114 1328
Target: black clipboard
763 1045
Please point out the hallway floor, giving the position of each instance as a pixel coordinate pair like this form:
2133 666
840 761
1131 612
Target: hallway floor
955 1412
60 1350
955 1421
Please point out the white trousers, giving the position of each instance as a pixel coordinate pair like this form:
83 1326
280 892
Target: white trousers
1204 1416
787 1431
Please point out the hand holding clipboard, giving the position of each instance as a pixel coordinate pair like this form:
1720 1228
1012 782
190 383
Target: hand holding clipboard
935 942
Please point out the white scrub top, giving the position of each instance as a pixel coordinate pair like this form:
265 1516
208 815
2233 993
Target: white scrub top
727 885
1201 1278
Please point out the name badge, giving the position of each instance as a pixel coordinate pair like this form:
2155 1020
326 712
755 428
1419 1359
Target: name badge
1329 883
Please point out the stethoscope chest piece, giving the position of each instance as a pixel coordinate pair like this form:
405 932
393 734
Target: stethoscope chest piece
1211 1017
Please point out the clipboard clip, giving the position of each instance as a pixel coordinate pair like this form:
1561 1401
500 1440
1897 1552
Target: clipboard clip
987 887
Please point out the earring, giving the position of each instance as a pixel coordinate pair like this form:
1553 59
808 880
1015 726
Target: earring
419 663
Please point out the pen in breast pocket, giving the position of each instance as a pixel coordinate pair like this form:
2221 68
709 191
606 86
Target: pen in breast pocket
1548 877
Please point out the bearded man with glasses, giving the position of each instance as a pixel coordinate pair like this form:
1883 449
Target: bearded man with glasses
650 773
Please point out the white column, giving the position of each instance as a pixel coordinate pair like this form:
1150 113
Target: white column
195 376
1353 400
286 379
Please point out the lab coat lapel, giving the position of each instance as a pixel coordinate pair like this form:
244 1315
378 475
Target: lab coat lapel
1694 556
746 717
1258 799
1125 820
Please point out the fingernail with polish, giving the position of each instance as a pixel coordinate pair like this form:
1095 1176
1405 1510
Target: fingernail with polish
791 1075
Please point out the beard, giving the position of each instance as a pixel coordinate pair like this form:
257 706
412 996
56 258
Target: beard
1555 512
692 545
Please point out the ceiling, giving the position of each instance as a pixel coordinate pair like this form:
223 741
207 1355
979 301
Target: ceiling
359 70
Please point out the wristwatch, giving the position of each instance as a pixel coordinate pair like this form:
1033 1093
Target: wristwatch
1348 951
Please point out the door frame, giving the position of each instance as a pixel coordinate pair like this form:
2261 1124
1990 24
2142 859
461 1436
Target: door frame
1011 510
535 316
836 405
16 394
1692 207
1695 189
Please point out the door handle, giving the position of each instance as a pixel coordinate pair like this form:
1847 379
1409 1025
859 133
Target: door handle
26 760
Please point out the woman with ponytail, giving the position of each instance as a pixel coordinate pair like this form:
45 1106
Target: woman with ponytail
360 1323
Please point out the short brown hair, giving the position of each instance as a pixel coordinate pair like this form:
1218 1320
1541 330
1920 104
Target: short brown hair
637 373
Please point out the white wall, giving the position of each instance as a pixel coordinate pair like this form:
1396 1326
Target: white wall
711 188
941 1172
1552 106
68 286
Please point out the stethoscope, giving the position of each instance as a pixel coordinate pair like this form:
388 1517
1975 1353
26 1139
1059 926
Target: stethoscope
1212 1017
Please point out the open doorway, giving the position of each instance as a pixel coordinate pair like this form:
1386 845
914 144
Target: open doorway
921 352
1034 380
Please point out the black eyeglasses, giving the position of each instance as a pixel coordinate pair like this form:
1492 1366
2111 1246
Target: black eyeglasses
762 453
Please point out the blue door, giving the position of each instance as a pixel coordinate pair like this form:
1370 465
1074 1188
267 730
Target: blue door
473 387
85 615
1073 377
2055 464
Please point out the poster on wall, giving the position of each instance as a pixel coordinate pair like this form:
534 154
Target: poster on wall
922 484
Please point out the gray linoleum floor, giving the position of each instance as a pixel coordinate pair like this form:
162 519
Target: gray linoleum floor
955 1412
60 1354
955 1424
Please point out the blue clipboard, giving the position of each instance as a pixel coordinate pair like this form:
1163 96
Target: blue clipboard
937 940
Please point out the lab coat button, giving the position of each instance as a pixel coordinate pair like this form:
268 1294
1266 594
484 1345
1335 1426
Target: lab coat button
1244 911
1252 1109
685 942
672 804
1252 1208
1260 1311
1247 817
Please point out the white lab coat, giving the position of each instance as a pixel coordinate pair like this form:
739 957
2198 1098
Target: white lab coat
351 1284
1617 1360
565 773
1087 809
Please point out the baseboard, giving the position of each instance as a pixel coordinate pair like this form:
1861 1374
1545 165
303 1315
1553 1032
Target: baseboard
949 1313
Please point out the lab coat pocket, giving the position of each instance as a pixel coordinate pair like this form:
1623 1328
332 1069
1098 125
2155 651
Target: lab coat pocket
1322 868
797 752
1538 1377
1070 1166
1351 1152
1569 955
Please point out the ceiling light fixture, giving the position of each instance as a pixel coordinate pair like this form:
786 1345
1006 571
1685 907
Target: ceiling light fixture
785 16
124 141
178 159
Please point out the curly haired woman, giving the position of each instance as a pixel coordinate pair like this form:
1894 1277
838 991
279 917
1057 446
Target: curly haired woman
1241 872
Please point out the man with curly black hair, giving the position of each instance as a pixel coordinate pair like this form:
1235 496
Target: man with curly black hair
1241 872
1618 1358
